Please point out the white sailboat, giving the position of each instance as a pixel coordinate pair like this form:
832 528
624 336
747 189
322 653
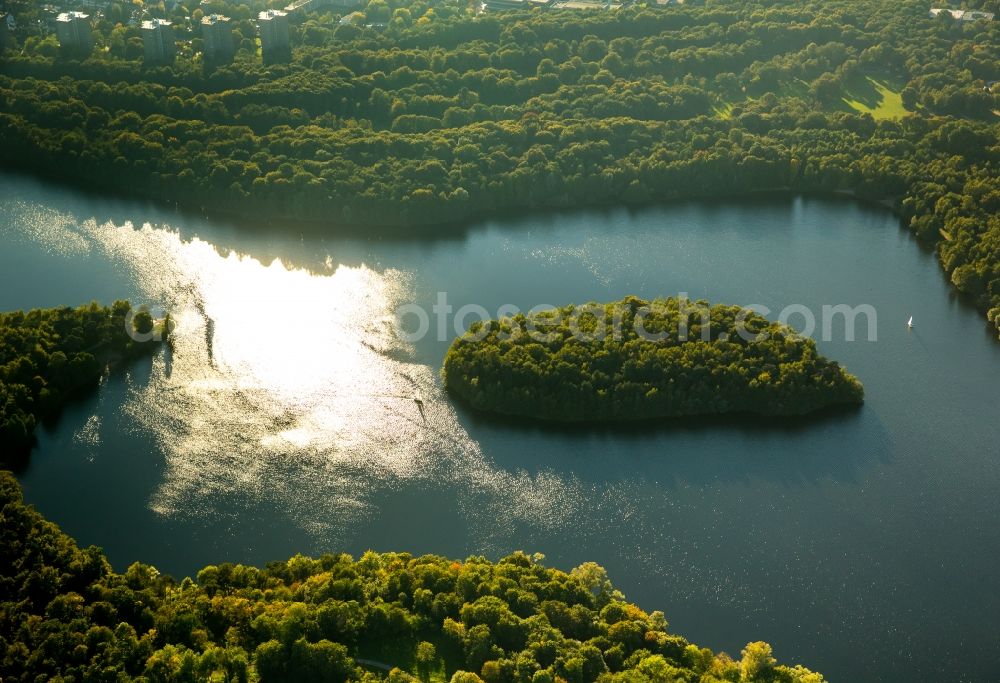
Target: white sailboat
909 323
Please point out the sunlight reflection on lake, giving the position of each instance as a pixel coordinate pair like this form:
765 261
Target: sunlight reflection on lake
292 387
283 420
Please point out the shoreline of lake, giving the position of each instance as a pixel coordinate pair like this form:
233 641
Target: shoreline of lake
290 436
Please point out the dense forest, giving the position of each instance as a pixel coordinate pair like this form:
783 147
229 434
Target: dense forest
412 113
635 359
48 354
66 616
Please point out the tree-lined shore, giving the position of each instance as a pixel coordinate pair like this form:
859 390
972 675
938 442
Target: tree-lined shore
48 355
444 114
66 615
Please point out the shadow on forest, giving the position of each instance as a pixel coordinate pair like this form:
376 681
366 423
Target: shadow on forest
862 89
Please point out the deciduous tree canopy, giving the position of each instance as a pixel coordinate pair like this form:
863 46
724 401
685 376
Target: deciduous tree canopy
442 113
66 615
635 359
47 354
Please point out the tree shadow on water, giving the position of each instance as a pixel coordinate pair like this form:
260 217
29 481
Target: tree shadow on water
835 444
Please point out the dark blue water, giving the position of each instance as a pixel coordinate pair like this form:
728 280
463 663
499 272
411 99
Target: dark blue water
862 544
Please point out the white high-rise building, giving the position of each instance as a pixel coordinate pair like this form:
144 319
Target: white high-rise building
73 31
218 37
158 41
273 24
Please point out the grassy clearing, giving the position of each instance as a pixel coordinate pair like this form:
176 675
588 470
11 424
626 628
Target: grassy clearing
723 110
876 98
879 96
402 654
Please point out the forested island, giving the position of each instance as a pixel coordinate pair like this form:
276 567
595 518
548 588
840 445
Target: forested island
637 359
67 616
412 113
47 355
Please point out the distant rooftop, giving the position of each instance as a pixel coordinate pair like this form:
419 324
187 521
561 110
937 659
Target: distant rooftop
271 14
963 14
154 23
210 19
71 16
585 4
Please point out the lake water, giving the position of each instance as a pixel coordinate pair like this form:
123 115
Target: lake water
862 544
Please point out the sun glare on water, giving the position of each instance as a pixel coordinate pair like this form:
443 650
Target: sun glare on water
288 387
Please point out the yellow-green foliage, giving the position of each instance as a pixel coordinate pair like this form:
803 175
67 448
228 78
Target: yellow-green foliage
68 616
46 354
443 113
635 359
